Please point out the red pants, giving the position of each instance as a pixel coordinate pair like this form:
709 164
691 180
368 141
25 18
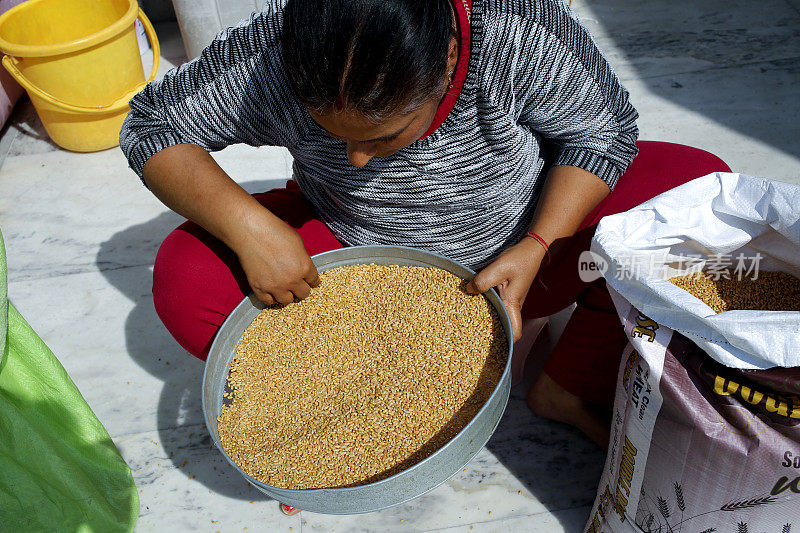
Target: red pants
197 280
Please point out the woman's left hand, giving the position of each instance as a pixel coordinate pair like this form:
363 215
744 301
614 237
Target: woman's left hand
512 273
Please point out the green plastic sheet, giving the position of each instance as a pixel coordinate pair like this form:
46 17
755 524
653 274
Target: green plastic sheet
59 469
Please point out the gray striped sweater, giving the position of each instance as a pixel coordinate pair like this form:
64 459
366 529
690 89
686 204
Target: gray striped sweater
537 93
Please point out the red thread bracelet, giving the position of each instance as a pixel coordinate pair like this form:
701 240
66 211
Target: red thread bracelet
539 238
541 241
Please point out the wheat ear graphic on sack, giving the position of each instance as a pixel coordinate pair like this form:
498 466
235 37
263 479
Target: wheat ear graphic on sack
747 504
679 497
663 509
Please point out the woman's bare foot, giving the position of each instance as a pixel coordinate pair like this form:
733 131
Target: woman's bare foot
549 400
288 510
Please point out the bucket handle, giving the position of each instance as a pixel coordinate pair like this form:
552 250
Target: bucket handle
117 105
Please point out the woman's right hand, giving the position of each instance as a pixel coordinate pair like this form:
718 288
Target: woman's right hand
188 180
274 260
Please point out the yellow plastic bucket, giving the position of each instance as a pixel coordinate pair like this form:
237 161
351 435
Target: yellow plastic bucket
79 60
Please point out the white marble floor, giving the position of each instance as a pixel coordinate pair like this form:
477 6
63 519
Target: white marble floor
81 234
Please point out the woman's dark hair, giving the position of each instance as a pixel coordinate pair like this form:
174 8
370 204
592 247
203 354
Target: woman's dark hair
375 57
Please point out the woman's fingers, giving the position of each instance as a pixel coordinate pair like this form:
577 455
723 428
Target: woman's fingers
495 275
284 297
312 278
265 297
514 310
513 298
301 290
511 277
273 296
491 276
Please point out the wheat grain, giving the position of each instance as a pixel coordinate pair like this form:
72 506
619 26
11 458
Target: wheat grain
378 368
771 291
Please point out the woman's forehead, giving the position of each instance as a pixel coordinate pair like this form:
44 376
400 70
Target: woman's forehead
354 126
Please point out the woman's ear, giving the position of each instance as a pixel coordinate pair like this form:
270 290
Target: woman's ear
452 55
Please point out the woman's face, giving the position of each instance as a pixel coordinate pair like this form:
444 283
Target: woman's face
366 140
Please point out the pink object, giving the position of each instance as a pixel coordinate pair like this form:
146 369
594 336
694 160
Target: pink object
10 90
10 93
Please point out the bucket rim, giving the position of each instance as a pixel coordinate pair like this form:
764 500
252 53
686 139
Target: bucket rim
64 47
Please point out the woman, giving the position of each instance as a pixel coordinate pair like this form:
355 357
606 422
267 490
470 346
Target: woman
490 131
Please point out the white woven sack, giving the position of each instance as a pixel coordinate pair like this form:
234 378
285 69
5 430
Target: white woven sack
721 218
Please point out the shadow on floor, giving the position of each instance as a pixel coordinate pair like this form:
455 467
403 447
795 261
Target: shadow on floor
24 133
180 421
559 465
736 64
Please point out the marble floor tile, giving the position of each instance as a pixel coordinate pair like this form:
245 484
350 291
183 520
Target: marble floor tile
26 132
185 485
7 136
738 113
717 75
567 521
540 480
169 38
64 213
641 41
107 336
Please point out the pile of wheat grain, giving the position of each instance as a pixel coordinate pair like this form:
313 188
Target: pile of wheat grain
770 291
378 368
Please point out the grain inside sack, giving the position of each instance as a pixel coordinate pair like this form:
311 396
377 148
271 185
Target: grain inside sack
769 291
377 369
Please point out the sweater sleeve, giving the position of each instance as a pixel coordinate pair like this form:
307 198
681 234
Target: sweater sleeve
234 92
566 91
